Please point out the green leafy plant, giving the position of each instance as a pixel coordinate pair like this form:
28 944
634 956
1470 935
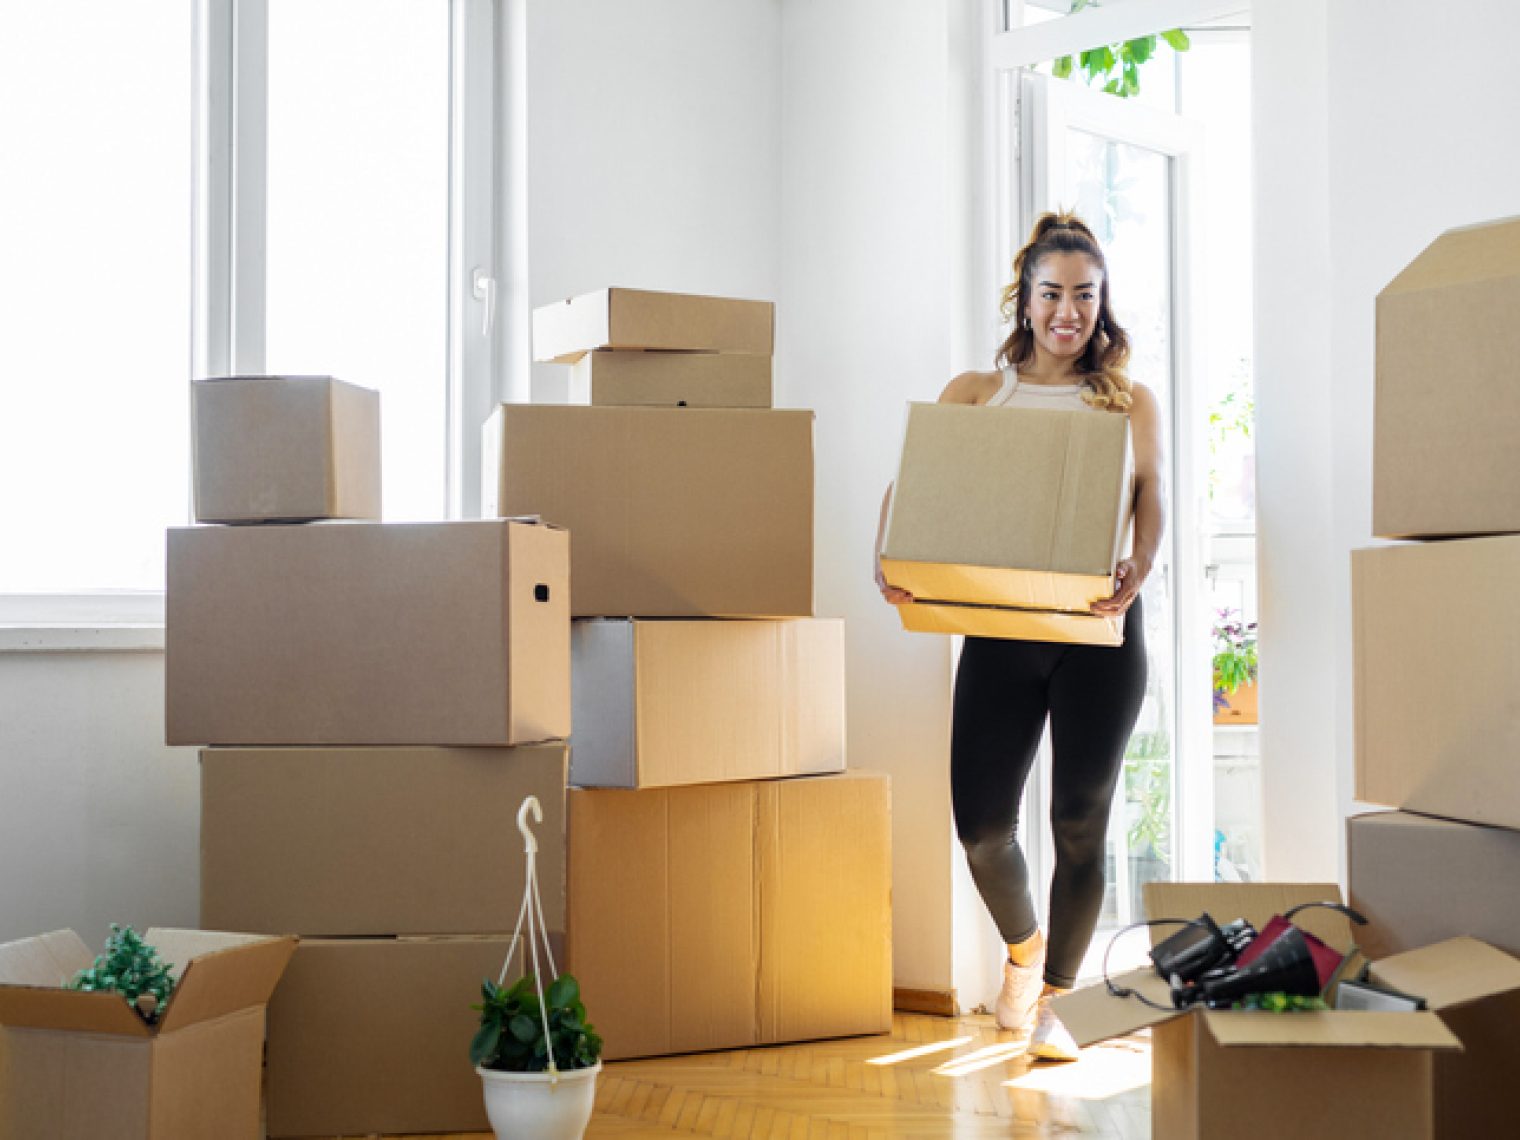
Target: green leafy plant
1099 64
131 968
511 1036
1148 782
1235 661
1276 1002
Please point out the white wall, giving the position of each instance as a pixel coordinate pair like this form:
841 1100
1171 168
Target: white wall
99 821
1363 163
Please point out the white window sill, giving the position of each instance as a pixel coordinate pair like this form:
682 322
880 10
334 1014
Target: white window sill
121 638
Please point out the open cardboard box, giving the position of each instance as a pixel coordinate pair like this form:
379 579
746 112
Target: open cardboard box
1008 522
85 1064
1330 1074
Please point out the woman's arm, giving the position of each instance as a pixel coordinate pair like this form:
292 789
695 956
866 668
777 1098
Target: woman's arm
1149 503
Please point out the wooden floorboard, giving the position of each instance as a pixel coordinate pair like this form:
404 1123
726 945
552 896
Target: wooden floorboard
951 1078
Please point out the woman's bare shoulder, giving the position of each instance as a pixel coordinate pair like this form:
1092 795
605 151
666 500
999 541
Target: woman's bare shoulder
971 388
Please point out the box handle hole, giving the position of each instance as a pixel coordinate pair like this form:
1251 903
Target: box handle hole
541 593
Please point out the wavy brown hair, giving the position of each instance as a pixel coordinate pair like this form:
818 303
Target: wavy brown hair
1102 363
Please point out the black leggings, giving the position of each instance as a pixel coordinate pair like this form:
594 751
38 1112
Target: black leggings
1004 690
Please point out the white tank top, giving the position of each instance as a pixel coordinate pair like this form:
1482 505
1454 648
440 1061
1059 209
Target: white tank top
1057 397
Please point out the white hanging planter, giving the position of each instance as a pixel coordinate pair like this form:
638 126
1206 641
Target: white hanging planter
555 1104
543 1106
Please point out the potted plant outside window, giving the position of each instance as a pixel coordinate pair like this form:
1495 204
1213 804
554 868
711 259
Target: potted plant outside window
1235 669
537 1056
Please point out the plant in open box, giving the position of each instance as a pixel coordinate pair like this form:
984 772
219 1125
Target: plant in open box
535 1052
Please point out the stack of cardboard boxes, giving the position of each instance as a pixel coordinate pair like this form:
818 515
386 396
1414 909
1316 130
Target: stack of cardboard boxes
1437 623
371 695
728 881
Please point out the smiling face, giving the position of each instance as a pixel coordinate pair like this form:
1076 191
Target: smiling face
1064 299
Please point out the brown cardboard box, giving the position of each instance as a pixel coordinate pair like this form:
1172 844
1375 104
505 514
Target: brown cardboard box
1002 517
658 703
640 318
344 841
368 633
1436 640
1476 990
269 448
676 512
1262 1076
728 915
1418 880
85 1064
1447 412
672 379
372 1035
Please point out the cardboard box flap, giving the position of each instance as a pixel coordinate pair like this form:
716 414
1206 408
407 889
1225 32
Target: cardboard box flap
1450 973
1468 253
46 960
240 972
32 974
1255 902
1092 1014
1330 1028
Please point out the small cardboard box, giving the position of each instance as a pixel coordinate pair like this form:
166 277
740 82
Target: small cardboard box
285 448
375 841
1008 522
728 915
1436 650
1418 879
612 377
85 1064
1447 411
659 703
676 512
368 633
1261 1076
639 318
372 1035
1476 990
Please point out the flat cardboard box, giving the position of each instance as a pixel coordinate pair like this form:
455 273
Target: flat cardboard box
676 512
1262 1076
1476 990
1436 650
85 1064
368 633
640 318
1419 880
659 703
1447 412
285 448
614 377
1009 509
372 1035
376 841
730 915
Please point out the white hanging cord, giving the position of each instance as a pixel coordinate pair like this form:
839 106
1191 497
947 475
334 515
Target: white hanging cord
531 911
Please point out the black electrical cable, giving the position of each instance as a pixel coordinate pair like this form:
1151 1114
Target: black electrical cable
1119 991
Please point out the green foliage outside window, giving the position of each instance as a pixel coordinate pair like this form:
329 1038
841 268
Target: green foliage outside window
1116 67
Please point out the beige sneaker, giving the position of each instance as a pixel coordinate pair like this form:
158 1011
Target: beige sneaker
1021 991
1050 1040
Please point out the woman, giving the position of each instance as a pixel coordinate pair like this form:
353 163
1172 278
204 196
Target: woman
1066 351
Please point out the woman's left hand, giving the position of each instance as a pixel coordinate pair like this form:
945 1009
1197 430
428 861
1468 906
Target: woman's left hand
1129 576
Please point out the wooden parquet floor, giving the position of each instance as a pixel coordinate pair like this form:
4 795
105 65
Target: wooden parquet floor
932 1077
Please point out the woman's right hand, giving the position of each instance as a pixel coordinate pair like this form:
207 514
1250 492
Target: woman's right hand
893 594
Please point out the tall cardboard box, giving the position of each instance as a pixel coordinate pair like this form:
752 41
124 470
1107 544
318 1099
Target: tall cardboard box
642 318
85 1064
354 841
1262 1076
1447 412
615 377
1419 880
659 703
372 1035
676 512
273 448
727 915
1008 522
1436 643
368 633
